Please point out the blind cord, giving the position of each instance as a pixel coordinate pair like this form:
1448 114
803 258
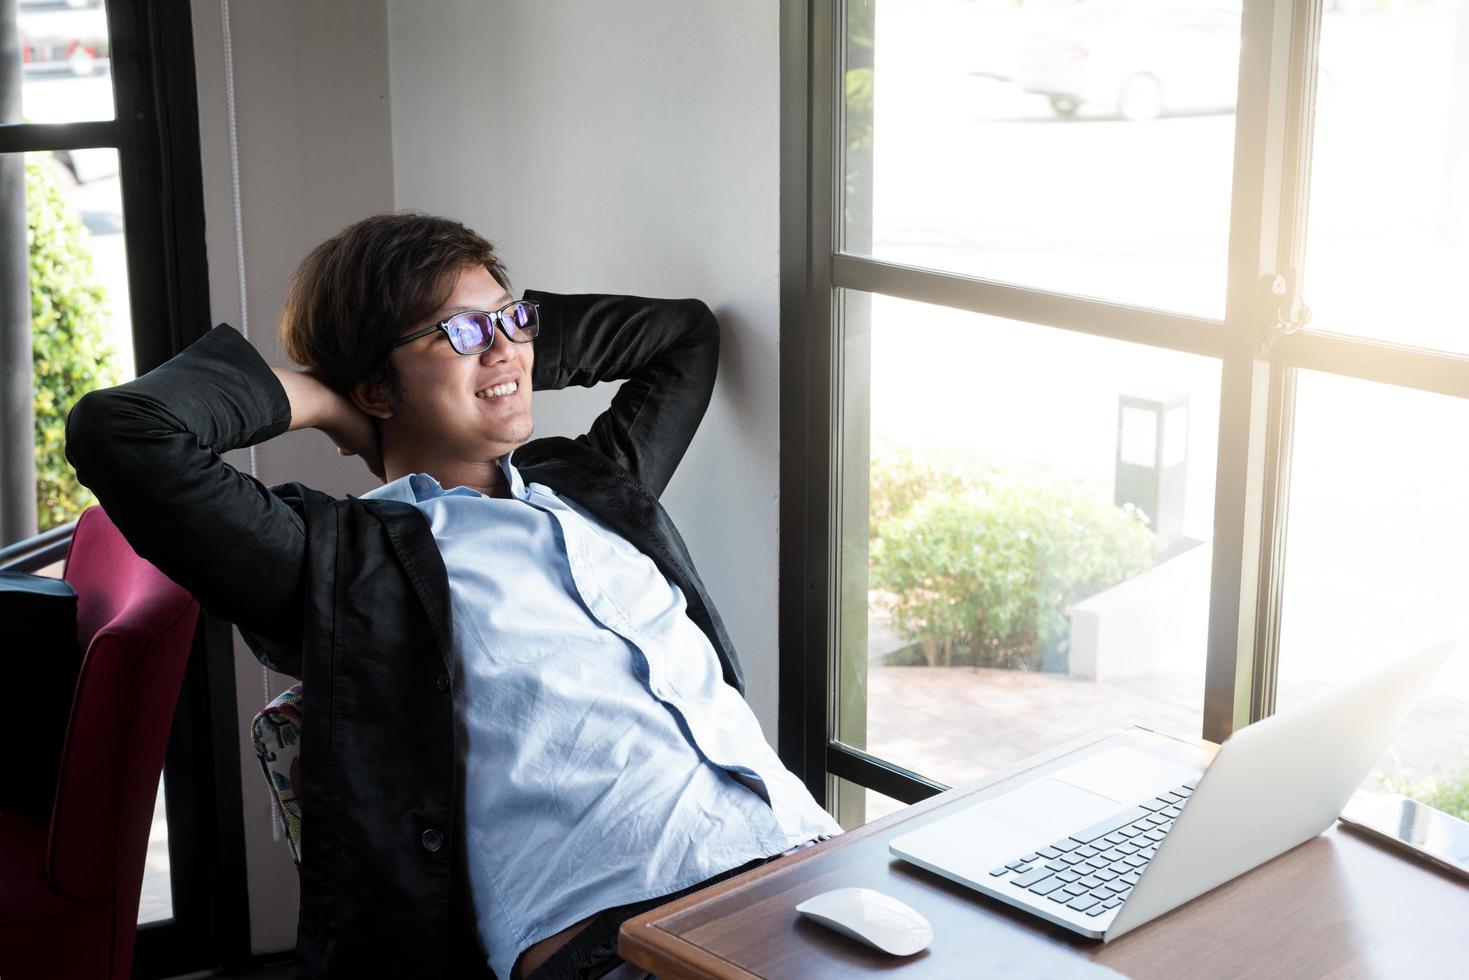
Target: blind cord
234 145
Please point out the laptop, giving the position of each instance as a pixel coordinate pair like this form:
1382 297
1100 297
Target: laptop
1120 837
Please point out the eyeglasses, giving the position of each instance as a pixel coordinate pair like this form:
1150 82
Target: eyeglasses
473 331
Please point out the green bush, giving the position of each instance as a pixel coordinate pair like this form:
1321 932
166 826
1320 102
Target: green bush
71 349
898 479
984 569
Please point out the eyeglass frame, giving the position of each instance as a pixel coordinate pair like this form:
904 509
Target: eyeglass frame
497 318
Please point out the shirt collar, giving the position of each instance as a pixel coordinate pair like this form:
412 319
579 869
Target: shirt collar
517 485
415 488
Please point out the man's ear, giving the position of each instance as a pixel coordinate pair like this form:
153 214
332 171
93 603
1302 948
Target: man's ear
372 397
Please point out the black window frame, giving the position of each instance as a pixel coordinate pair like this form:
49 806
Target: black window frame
155 131
1260 361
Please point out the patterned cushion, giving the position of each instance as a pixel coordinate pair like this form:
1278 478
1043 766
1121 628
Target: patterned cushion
276 732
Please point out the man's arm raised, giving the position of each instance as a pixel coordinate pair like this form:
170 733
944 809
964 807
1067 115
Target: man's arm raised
150 450
666 353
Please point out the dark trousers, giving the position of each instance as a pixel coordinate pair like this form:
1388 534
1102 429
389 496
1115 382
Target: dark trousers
592 952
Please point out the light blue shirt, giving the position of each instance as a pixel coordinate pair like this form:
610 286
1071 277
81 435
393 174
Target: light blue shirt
606 761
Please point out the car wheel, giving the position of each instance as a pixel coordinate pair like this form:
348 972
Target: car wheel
1064 106
1140 99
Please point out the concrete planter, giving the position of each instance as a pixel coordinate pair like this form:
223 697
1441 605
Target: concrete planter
1156 622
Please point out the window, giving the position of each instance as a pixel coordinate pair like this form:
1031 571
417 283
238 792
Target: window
101 240
1065 445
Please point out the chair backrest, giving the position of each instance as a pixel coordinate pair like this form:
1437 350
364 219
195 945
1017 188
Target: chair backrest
136 628
276 735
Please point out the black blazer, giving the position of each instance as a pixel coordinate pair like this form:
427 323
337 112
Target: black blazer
352 597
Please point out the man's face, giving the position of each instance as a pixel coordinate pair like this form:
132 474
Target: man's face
465 406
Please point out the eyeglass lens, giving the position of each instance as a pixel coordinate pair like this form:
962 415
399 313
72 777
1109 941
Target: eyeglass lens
473 332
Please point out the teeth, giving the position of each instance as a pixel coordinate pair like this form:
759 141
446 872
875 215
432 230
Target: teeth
498 390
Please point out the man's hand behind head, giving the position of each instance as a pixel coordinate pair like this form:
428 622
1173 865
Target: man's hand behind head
315 406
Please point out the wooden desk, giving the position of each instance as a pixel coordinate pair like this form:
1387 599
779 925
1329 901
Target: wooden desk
1336 906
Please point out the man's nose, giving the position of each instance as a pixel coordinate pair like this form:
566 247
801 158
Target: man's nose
500 349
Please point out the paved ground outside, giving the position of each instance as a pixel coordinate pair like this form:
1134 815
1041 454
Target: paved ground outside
958 724
156 903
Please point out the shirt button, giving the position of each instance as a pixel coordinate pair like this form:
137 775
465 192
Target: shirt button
432 840
442 683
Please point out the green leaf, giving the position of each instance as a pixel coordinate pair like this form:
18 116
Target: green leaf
72 352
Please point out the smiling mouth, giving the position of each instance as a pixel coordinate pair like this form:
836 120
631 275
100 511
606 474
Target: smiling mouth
498 391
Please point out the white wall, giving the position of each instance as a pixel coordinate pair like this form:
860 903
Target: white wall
626 147
311 88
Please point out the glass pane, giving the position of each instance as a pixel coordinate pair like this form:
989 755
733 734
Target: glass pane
79 322
1377 564
858 805
156 901
1388 234
1079 148
65 54
1025 531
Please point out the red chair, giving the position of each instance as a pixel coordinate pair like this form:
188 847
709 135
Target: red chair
70 879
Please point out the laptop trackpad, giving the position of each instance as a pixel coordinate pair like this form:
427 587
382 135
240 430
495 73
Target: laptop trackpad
1048 808
1035 814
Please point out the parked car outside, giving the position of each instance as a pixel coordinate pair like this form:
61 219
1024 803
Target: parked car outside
60 38
1138 58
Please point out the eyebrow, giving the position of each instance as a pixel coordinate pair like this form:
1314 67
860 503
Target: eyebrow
456 310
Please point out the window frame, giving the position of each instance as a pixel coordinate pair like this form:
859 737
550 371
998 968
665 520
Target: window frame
1259 364
155 131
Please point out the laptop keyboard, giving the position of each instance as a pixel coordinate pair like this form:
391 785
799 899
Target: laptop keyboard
1093 870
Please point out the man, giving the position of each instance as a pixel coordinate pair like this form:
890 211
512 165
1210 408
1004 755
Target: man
514 677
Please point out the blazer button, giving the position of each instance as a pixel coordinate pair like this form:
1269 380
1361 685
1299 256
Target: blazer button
442 683
432 840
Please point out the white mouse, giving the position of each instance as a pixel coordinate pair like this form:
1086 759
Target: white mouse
870 917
